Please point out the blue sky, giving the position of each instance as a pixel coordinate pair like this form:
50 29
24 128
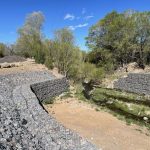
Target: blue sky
79 15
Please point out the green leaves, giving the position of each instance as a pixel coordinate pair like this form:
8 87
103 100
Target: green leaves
29 43
123 36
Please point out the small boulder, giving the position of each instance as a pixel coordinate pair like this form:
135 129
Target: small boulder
5 65
145 118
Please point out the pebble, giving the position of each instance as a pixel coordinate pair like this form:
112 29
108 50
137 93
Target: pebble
145 118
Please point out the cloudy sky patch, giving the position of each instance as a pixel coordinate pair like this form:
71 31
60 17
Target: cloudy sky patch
69 17
78 26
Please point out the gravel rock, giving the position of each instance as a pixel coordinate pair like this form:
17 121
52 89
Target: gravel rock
11 59
135 82
25 125
49 89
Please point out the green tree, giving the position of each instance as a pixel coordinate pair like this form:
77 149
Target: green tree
48 47
124 37
66 56
30 42
142 37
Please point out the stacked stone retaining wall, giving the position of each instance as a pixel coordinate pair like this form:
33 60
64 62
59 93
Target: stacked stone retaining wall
135 82
50 88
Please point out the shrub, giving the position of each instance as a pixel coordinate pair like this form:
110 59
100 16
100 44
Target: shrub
39 56
2 49
98 74
49 63
1 53
91 72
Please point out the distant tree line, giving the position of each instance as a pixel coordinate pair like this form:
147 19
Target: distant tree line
115 40
120 38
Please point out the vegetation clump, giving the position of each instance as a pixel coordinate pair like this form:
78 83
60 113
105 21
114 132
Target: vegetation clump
49 101
120 38
123 96
132 106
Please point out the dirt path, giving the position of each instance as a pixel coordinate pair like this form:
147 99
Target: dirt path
101 128
27 66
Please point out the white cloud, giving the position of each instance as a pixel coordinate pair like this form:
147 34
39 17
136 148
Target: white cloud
78 26
82 25
88 17
69 17
72 27
83 11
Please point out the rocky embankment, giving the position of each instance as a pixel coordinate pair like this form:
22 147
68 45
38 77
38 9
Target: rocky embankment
134 82
25 125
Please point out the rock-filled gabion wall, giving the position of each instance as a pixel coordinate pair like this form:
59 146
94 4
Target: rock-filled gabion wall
25 125
134 82
50 88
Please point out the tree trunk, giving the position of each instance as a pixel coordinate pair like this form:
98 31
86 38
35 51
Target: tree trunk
141 57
